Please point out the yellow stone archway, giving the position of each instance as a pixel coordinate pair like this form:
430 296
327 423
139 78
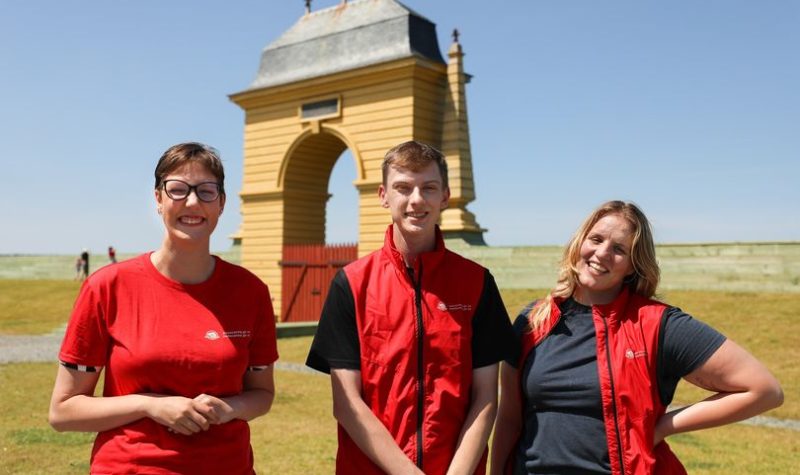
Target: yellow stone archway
364 76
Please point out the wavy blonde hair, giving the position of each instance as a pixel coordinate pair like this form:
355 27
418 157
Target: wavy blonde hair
643 281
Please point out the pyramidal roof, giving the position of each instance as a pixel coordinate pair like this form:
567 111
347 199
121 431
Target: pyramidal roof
350 35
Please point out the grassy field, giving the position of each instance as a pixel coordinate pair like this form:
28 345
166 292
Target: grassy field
299 435
34 307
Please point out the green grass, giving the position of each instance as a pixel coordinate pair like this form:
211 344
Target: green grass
763 323
30 307
29 445
299 435
294 350
516 299
738 449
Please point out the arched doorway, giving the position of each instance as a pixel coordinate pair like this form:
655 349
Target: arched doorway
363 76
305 183
308 263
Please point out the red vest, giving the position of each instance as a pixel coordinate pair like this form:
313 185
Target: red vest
627 347
416 354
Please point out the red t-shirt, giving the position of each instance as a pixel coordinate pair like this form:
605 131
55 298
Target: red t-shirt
156 335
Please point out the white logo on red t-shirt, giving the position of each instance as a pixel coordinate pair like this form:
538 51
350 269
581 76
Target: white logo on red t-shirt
213 335
236 334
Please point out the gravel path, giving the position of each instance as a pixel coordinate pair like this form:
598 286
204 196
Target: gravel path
44 348
29 348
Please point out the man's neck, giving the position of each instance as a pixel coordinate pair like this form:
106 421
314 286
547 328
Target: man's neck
410 247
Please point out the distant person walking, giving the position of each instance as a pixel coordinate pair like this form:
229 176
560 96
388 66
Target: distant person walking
112 254
85 263
78 268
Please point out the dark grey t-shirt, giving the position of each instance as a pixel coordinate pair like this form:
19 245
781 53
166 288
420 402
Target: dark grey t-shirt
563 429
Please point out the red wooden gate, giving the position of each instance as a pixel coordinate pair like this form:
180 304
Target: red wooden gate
307 273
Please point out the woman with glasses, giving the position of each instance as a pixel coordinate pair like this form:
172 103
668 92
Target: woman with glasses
186 340
600 361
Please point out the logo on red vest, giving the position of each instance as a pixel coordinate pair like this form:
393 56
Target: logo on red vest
630 354
456 307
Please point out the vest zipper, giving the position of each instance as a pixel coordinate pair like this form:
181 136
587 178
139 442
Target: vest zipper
613 400
420 366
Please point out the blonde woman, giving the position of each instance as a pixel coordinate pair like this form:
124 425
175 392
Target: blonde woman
600 360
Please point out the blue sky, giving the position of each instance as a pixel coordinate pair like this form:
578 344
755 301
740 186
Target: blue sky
691 109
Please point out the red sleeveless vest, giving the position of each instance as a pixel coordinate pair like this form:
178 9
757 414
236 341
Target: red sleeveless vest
627 347
416 352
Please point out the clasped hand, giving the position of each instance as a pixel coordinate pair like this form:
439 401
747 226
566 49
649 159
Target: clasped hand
189 416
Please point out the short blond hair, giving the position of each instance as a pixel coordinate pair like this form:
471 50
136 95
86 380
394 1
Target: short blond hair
414 156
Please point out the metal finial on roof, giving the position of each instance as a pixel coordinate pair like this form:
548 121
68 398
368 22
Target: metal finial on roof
308 6
456 34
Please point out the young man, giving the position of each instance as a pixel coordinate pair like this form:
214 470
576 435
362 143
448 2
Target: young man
412 335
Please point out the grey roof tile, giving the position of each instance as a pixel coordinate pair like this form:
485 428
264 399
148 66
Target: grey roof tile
356 34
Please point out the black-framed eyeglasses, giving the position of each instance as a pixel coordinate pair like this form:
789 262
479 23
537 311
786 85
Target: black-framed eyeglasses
178 190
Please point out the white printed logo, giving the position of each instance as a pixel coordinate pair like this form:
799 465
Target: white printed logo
213 335
630 354
237 334
456 307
